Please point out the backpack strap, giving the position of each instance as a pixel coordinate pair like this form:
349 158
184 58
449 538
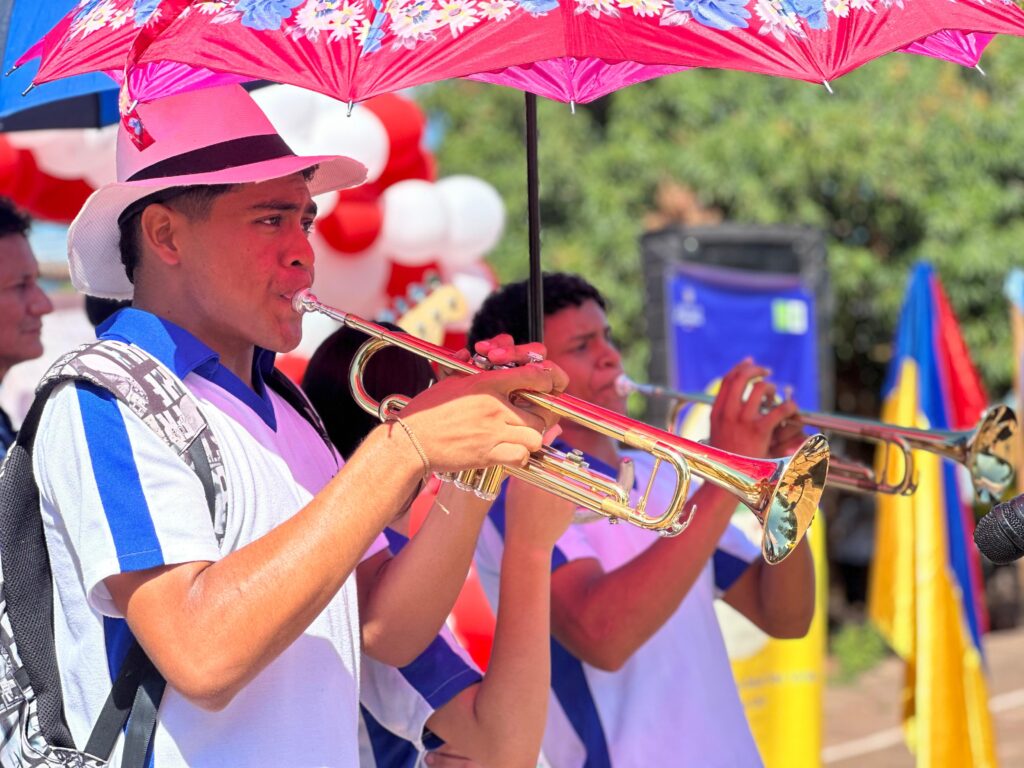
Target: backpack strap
163 403
28 588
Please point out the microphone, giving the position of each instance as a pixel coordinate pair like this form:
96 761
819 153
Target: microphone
1000 534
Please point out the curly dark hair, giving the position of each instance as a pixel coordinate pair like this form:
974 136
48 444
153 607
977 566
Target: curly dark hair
505 310
12 220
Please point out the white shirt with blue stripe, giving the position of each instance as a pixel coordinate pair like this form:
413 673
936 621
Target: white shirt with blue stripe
674 702
397 702
115 499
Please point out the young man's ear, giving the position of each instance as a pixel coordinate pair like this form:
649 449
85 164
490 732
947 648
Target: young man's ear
160 232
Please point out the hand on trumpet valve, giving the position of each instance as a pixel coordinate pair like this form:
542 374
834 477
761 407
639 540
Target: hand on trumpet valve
469 422
747 415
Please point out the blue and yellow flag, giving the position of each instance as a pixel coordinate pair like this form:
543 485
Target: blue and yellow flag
926 594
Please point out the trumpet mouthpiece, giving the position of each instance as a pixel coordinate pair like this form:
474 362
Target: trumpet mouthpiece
624 385
304 301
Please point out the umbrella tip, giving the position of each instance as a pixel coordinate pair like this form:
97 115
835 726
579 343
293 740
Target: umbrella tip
11 70
30 87
351 104
827 87
572 106
978 67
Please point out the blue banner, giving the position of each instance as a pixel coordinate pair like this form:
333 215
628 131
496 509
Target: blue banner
718 316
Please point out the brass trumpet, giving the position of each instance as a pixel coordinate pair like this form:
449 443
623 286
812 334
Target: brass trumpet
988 451
782 493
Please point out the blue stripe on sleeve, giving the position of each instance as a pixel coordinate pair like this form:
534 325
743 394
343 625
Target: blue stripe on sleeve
396 540
439 674
728 568
117 480
389 750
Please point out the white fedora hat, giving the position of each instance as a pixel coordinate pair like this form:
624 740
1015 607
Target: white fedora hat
208 136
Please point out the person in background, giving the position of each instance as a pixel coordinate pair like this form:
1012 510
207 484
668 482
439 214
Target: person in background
439 709
22 302
640 674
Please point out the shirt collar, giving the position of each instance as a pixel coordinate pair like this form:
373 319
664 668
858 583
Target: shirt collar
183 354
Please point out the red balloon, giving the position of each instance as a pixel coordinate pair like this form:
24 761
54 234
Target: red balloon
351 227
404 122
292 366
356 220
474 621
40 194
402 276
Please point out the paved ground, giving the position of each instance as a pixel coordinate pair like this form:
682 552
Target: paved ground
862 719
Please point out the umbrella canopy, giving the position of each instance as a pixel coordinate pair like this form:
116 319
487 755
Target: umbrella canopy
575 50
359 48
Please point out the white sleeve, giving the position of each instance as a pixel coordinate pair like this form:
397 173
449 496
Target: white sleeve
119 497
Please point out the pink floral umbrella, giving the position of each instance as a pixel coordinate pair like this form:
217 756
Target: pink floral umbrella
572 50
355 49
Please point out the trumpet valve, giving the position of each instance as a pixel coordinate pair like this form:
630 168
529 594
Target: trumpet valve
483 483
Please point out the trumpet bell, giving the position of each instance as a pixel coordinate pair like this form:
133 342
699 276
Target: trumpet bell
794 499
992 453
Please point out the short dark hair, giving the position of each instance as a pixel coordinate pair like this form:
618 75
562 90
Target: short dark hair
505 310
194 201
12 220
392 371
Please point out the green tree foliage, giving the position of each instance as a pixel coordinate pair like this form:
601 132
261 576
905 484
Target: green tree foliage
909 159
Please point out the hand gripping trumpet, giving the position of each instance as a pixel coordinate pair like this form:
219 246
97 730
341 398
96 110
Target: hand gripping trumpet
988 451
782 493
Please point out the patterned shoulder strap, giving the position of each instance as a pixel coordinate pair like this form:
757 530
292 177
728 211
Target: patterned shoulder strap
297 399
158 397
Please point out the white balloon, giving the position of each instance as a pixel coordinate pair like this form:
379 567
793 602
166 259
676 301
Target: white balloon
326 203
315 329
315 124
361 135
63 159
288 109
33 139
415 224
101 146
350 283
476 219
474 289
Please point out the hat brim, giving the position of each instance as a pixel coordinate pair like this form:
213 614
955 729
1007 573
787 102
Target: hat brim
94 255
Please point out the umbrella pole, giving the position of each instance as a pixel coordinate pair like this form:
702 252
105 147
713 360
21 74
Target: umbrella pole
535 290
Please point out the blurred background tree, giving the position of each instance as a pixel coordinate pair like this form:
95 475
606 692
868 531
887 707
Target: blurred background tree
909 159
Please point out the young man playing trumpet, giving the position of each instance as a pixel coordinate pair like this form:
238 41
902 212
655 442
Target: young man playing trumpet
640 675
252 618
